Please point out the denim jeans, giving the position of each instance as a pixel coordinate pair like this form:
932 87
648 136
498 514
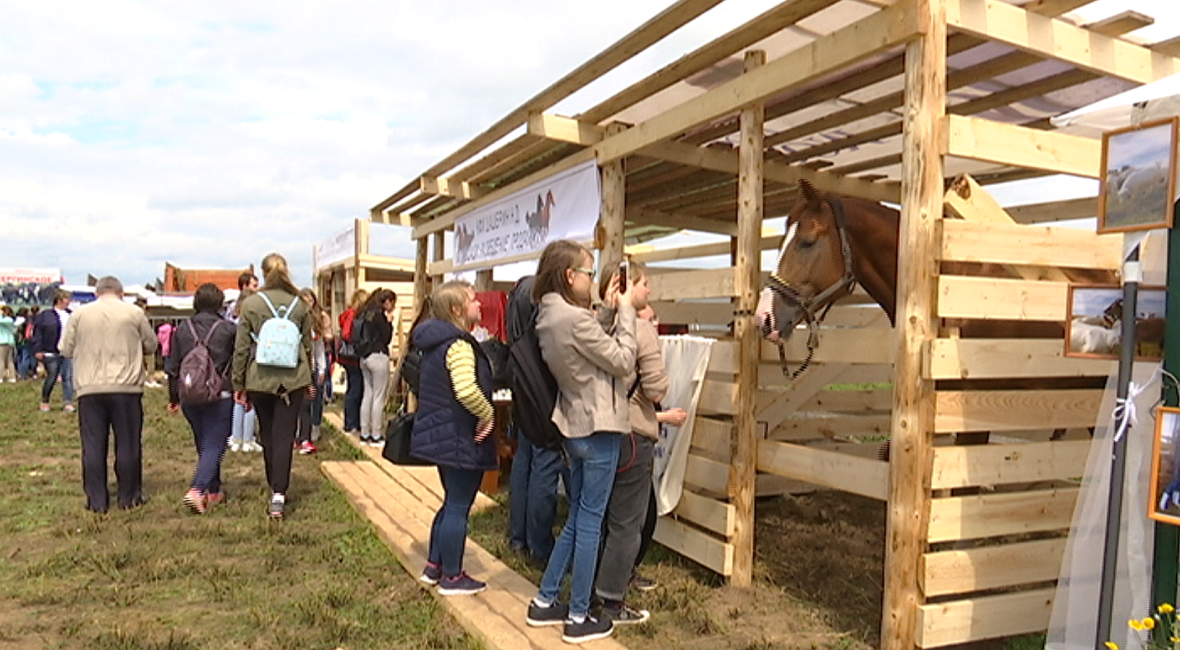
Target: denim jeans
25 362
211 424
448 533
533 497
58 366
592 474
244 423
625 516
353 393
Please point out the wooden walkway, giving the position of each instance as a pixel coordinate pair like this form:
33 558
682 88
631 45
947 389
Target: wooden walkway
401 502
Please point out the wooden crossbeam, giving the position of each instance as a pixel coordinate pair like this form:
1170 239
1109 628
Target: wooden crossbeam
1082 208
564 129
1057 39
1006 144
642 215
1122 23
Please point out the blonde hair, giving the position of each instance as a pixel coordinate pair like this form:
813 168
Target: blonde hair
449 298
358 299
277 275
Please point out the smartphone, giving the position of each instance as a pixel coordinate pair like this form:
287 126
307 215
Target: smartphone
623 266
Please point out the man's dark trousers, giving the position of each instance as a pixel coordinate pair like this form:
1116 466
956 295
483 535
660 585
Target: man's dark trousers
98 415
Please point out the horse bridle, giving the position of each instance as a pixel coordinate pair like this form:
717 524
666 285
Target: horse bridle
809 304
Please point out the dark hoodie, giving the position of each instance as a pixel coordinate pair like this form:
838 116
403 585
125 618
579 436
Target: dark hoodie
444 430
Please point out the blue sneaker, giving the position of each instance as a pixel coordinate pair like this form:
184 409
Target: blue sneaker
460 585
431 574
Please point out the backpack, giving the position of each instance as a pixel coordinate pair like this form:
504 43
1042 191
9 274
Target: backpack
363 335
200 382
534 391
279 339
411 368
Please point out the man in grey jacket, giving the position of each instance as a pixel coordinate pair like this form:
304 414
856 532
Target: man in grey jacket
108 340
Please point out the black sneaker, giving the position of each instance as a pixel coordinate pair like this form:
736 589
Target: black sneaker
460 585
626 615
278 504
590 629
554 614
431 574
641 583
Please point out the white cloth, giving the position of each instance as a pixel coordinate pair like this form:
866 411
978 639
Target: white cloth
686 359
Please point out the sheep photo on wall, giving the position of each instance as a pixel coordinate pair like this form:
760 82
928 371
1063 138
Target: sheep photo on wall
1094 327
1138 177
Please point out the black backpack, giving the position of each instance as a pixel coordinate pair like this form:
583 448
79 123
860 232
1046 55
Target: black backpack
534 390
200 380
364 335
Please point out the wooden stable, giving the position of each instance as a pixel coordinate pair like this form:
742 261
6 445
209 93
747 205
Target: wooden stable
885 100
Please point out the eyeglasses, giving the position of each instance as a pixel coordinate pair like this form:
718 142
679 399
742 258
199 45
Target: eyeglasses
589 272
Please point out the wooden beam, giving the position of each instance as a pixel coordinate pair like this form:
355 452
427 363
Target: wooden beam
438 254
667 21
612 216
726 161
1083 208
971 465
714 515
1122 23
421 281
708 55
877 32
913 412
747 284
688 285
965 241
844 472
991 567
766 242
1058 40
639 214
995 298
1006 144
451 187
564 129
984 617
700 547
1055 7
1016 410
1003 358
1170 47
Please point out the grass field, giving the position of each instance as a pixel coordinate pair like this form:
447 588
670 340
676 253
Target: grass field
160 578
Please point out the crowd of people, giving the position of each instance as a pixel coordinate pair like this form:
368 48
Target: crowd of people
253 373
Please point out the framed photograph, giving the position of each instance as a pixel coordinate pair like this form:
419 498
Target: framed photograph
1094 327
1138 177
1164 494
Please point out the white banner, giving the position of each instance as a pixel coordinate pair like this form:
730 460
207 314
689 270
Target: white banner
686 359
337 247
563 206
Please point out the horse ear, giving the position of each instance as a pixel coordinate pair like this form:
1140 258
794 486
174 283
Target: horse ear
810 194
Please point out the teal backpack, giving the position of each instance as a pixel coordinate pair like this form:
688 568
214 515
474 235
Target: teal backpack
278 340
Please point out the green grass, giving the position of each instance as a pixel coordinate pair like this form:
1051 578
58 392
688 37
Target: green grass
160 578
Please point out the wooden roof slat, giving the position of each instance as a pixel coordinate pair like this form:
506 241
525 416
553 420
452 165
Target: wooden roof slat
1055 7
1054 211
524 165
513 148
1170 47
762 26
1119 24
638 214
667 21
678 178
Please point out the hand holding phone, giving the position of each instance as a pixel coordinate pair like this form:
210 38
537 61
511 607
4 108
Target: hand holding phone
623 268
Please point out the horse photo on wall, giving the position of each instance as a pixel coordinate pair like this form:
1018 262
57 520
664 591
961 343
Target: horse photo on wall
1164 494
1094 327
1138 177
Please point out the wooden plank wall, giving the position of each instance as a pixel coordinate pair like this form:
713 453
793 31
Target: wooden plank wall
999 512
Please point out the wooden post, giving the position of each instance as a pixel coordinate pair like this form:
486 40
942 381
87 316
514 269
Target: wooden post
748 262
438 255
483 280
421 282
913 394
611 222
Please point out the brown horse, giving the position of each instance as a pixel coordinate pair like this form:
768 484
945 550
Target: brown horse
834 243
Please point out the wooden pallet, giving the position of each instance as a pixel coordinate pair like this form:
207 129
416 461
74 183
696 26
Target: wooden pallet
401 510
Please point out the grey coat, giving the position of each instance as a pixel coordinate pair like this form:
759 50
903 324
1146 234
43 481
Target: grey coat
591 363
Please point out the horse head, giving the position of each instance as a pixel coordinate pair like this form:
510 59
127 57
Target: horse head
814 265
1113 313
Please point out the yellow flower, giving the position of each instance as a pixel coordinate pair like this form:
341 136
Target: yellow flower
1112 645
1166 609
1135 624
1148 623
1175 639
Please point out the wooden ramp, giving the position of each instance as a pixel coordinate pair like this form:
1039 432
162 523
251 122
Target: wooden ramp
401 506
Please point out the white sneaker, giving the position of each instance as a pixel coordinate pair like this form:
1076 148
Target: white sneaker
235 446
252 446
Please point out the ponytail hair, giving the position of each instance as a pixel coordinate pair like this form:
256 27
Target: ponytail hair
276 274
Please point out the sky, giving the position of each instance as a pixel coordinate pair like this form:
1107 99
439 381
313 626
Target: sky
210 134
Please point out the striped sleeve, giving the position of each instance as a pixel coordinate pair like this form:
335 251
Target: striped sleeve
461 367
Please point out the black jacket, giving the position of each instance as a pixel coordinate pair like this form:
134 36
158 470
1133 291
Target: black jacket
46 332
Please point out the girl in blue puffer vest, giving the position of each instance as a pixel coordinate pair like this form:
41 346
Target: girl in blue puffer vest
453 426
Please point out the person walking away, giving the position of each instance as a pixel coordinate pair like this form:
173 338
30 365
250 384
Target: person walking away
453 427
272 370
590 356
355 383
312 413
7 344
245 419
49 330
208 408
23 353
535 470
107 341
247 284
374 337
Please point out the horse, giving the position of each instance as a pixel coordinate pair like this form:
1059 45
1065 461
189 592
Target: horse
835 243
1149 332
